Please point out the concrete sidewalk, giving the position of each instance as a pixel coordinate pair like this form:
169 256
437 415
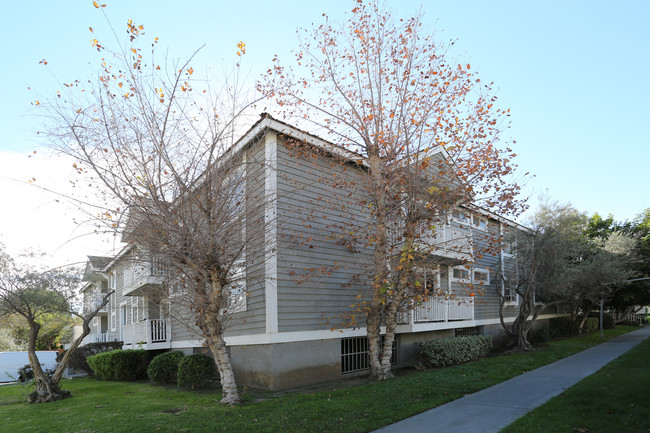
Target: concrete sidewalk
493 408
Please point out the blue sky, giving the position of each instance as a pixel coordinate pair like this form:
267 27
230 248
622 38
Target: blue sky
574 74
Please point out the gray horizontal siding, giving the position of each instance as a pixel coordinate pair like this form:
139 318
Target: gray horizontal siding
311 213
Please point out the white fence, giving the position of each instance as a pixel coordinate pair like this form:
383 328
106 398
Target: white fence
10 362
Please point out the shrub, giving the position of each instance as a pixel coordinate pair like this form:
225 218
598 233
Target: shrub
541 333
164 367
608 319
194 370
26 372
78 358
628 323
562 327
450 351
120 364
590 325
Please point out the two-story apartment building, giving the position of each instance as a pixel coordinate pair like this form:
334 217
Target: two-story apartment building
299 280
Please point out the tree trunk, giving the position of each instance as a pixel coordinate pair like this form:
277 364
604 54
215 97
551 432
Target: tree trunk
46 389
213 329
373 322
519 326
380 271
585 315
230 394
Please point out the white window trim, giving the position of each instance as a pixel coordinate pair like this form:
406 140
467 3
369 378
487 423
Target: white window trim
503 293
467 220
462 280
433 273
113 320
480 218
238 299
485 282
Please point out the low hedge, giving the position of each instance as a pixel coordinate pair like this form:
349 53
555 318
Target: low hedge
78 358
450 351
195 370
163 368
563 327
125 365
541 333
608 319
590 325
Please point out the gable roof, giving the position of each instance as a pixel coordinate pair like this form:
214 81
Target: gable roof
98 262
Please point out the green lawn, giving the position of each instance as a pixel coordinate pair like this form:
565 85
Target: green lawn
614 399
140 407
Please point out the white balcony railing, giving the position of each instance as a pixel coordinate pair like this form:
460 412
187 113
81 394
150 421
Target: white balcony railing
147 332
445 241
102 337
439 309
450 241
144 273
92 302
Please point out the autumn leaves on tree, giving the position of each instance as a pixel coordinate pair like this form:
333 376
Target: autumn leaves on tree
422 132
428 133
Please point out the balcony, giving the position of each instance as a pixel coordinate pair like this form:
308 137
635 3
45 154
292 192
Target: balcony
449 244
94 301
102 337
439 309
148 334
143 276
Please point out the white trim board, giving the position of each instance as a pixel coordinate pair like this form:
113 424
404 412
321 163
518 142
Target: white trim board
326 334
270 231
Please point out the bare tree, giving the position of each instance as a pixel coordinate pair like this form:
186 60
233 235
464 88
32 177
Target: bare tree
427 135
163 155
34 295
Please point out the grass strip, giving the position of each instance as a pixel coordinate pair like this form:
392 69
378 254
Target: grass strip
614 399
116 407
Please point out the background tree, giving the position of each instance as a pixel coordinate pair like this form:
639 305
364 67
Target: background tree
427 133
36 296
636 293
558 263
160 151
56 329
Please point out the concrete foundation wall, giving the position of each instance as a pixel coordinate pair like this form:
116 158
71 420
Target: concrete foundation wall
408 350
287 365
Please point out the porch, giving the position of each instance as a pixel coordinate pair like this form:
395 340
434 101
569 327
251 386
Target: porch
148 334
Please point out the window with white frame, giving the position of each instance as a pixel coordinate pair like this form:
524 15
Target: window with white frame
508 247
461 216
479 222
427 281
237 289
111 280
461 274
480 276
134 309
509 293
